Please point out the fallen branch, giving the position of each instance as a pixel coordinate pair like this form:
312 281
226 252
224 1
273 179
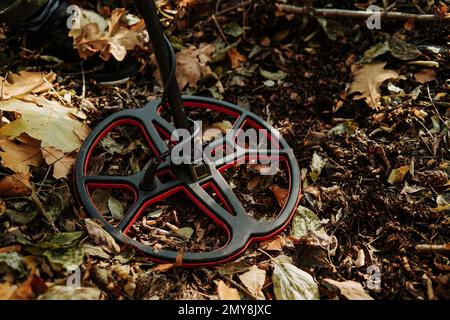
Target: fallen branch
440 248
360 14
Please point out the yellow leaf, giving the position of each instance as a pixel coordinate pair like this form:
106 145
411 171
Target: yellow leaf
367 81
25 82
49 122
226 293
397 175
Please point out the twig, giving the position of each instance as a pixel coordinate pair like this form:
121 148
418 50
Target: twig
219 28
242 4
440 248
361 14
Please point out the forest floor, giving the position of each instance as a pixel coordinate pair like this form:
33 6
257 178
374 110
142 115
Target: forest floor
367 113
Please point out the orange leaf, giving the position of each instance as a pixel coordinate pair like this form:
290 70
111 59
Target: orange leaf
275 244
163 267
15 185
236 58
280 194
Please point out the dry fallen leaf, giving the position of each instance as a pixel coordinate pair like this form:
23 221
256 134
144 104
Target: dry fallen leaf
163 267
275 244
183 4
425 75
281 194
224 292
25 82
6 290
19 157
91 35
367 81
15 185
254 280
351 290
398 174
48 121
101 237
62 164
29 289
192 64
235 58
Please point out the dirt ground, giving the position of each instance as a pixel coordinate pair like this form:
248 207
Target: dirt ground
379 184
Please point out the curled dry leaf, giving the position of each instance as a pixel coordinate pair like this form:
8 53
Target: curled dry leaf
224 292
91 35
101 237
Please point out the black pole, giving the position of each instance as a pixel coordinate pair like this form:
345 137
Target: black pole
148 11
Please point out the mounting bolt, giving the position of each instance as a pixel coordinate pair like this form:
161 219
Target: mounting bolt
148 182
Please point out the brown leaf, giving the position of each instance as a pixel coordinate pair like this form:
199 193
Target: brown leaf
192 64
183 4
6 290
275 244
18 157
163 267
254 281
62 163
16 185
25 82
398 174
235 58
425 75
101 237
30 289
351 290
224 292
280 194
367 81
90 38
